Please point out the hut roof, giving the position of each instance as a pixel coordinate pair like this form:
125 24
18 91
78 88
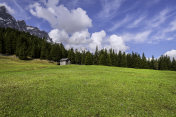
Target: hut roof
64 59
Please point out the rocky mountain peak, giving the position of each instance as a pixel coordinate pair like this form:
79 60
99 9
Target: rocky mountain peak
3 9
7 20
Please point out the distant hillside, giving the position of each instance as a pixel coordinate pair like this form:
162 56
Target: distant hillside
27 46
7 20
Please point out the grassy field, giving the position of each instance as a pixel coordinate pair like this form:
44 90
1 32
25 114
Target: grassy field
41 89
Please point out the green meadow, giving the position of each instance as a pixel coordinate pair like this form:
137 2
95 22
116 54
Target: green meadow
37 88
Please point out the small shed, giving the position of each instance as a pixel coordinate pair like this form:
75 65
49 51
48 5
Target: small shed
64 61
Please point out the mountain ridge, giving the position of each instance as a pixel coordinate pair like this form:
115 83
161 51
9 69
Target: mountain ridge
8 21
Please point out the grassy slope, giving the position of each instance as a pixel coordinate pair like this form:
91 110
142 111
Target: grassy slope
38 88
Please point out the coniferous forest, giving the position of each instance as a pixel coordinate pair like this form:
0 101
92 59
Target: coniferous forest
27 46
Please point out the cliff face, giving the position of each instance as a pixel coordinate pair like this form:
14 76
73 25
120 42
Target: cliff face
7 20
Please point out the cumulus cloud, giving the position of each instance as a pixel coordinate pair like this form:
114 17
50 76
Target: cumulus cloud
96 39
9 9
117 43
70 27
80 37
58 35
76 40
60 17
171 53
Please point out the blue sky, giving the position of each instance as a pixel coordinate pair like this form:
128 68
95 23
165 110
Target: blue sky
147 26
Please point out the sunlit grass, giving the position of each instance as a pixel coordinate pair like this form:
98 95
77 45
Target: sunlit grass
39 88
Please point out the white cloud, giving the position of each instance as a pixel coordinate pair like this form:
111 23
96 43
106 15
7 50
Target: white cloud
96 40
117 43
119 24
52 3
79 37
148 29
9 9
82 40
60 17
171 53
164 32
171 27
58 35
136 22
138 38
76 40
109 8
159 19
70 27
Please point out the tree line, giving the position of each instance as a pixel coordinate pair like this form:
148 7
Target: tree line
27 46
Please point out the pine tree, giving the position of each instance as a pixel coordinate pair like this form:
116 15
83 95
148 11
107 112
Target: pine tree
1 42
129 61
173 66
64 52
83 56
77 57
102 59
106 61
45 50
22 48
109 63
35 50
8 44
43 54
144 64
88 59
155 65
120 64
55 52
124 60
96 56
164 63
71 55
152 63
112 57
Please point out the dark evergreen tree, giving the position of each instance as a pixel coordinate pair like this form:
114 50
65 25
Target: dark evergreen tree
2 49
173 66
112 57
96 55
8 44
77 57
102 59
71 55
124 60
35 50
83 56
88 59
45 50
55 53
64 52
22 47
144 63
129 61
109 62
120 59
164 63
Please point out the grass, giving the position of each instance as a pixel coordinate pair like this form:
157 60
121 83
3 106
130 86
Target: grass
38 88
